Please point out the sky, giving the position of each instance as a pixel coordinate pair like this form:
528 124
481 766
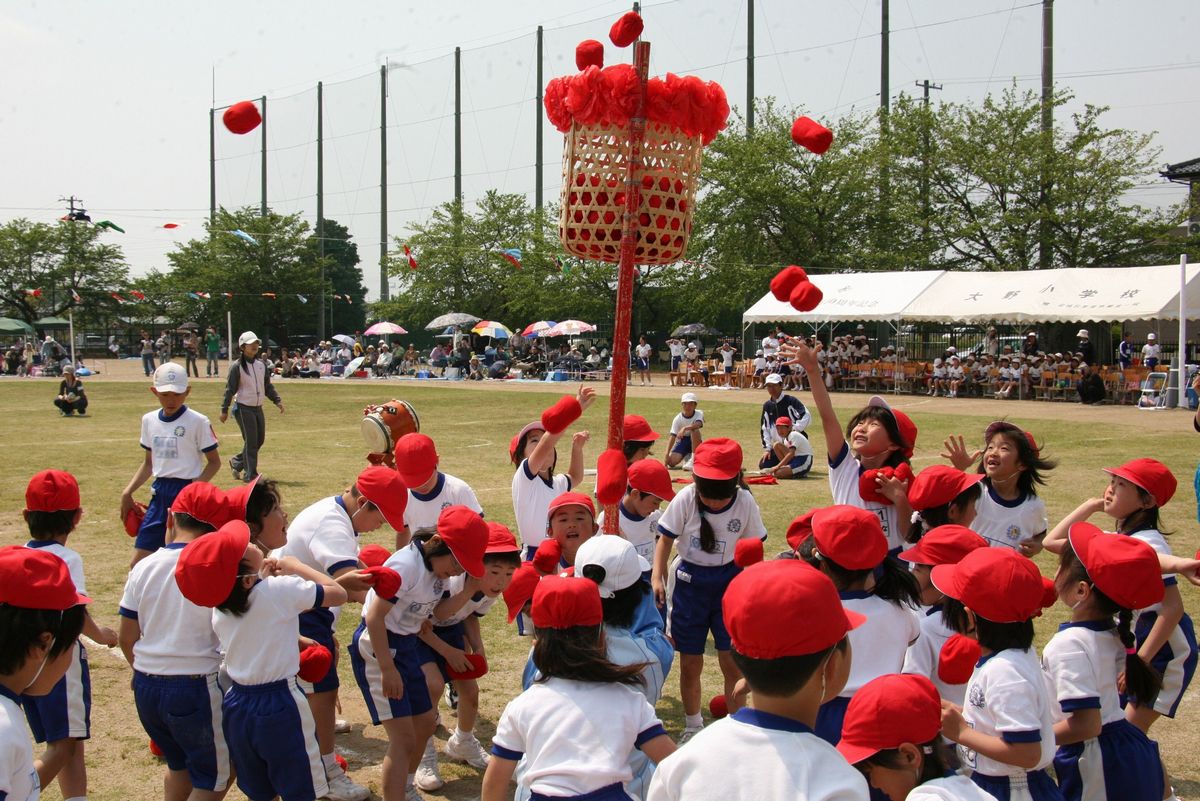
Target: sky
110 102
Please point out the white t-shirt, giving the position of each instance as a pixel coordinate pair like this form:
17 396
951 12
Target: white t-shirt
843 484
1008 523
1083 661
770 346
952 788
176 443
739 519
760 363
322 537
644 351
18 779
420 591
756 756
800 442
922 657
177 636
680 421
1150 351
263 645
531 496
1154 538
478 605
642 532
424 508
1007 697
676 349
73 560
878 645
605 721
727 356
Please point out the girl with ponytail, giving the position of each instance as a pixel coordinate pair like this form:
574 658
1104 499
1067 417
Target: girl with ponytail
1102 578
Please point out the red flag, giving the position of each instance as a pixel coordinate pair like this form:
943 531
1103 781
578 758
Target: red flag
137 294
412 260
117 297
33 293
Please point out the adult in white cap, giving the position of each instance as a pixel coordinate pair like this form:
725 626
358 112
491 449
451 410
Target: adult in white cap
780 404
1151 351
1085 346
250 381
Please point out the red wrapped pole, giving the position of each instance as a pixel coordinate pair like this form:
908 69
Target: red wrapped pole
625 270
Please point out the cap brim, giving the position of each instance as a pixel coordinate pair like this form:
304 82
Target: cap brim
1081 535
913 555
393 516
945 580
179 389
878 400
854 753
643 565
853 619
474 567
1121 472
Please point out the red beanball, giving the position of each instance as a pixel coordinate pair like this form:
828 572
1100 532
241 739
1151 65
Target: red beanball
611 477
562 414
811 135
314 662
786 280
242 118
806 297
627 29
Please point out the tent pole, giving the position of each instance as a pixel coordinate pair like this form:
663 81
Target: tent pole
1182 357
71 325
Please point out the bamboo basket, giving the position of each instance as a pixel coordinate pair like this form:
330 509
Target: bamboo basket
593 194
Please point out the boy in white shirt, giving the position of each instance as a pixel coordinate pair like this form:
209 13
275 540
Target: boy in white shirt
429 490
791 456
685 431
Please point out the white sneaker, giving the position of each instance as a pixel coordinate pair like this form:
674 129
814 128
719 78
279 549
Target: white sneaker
427 776
341 788
341 726
466 749
688 733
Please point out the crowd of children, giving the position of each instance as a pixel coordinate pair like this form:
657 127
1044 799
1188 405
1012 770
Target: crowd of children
886 654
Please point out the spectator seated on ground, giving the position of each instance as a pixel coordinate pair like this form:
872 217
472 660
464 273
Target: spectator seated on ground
498 369
592 361
310 365
438 359
1091 387
71 399
475 370
384 362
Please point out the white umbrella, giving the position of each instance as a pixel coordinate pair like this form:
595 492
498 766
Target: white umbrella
384 328
353 366
453 318
345 339
570 328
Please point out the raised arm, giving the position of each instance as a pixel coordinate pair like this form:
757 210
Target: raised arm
798 352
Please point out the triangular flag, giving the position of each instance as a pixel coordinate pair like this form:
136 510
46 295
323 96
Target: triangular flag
110 225
75 296
301 298
227 294
513 255
412 260
117 297
202 295
562 265
348 298
270 295
240 234
33 293
137 294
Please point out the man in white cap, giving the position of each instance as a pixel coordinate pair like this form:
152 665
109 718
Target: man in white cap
1085 346
779 404
1151 351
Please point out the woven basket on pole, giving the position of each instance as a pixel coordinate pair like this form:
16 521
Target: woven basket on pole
593 193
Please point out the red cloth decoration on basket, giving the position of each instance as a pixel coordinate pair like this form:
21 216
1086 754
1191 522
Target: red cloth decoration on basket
547 557
747 552
627 29
242 118
806 296
958 658
556 419
479 667
314 662
387 581
554 99
786 280
811 135
612 475
868 490
373 555
589 53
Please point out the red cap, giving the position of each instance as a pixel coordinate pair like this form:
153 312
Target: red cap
944 545
479 667
908 429
52 491
520 589
385 488
850 536
637 429
204 502
208 567
612 476
500 539
786 280
887 712
315 661
373 555
1123 568
536 425
748 552
133 518
1151 475
239 497
785 608
416 459
783 421
1049 593
548 555
939 484
651 477
996 583
560 602
957 659
566 411
571 499
800 529
464 531
718 458
386 581
31 578
718 706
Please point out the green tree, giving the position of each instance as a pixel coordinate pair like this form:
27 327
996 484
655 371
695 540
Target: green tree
343 276
61 260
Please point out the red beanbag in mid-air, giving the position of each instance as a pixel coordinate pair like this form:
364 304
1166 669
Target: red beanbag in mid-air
242 118
627 29
611 476
811 135
786 280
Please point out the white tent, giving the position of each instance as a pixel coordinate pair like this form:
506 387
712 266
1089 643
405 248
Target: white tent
850 296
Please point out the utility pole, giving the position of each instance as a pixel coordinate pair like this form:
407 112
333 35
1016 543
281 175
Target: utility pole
384 294
750 66
212 168
321 204
884 100
1044 251
926 85
264 156
537 127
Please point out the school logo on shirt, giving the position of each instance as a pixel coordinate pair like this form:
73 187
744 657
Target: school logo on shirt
976 697
446 505
1013 533
735 525
180 431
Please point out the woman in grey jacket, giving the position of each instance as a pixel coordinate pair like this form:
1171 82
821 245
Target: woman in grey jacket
250 381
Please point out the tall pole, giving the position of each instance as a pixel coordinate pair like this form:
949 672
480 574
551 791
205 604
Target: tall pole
884 89
212 167
383 231
750 66
1181 394
458 124
884 100
537 127
926 85
264 156
321 204
1044 251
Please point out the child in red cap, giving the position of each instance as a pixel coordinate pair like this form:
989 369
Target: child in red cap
1102 578
791 456
639 438
877 437
41 616
429 489
788 630
848 546
446 650
649 484
62 717
259 505
704 523
939 496
394 687
570 522
574 727
1166 638
1005 731
1009 513
176 656
891 735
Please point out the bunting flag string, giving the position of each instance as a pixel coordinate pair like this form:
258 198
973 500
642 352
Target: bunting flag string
136 296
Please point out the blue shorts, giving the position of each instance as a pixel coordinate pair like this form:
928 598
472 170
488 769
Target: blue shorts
830 717
800 464
273 742
612 792
454 635
317 625
406 658
1038 783
152 533
683 446
66 711
1120 763
643 364
696 606
182 715
1175 661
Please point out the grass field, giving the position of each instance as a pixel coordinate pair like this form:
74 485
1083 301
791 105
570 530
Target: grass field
315 450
